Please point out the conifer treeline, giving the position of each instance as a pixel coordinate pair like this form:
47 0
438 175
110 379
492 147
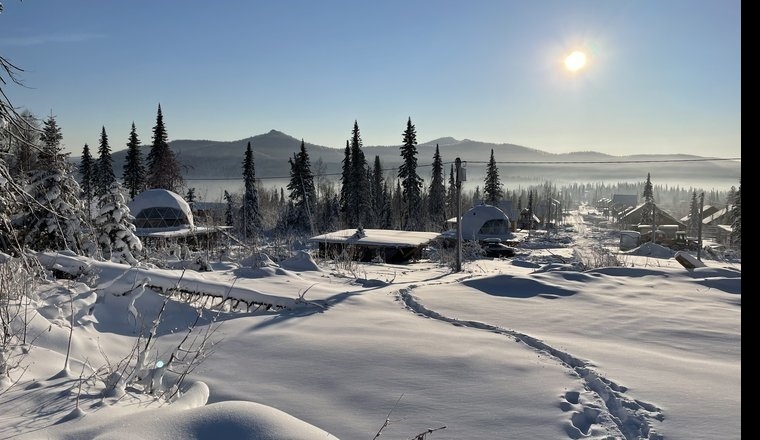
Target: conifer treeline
366 196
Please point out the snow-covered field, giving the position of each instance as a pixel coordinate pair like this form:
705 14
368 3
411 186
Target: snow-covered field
568 339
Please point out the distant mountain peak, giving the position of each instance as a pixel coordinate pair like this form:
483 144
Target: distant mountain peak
447 140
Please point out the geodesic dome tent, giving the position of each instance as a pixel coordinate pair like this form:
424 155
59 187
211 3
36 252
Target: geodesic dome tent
160 209
485 221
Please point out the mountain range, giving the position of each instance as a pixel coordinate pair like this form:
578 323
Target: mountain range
208 159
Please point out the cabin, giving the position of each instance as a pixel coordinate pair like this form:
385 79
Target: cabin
640 215
527 220
389 246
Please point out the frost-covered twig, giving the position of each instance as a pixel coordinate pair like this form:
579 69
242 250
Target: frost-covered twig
387 418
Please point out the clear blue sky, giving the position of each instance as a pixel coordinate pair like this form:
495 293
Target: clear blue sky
662 77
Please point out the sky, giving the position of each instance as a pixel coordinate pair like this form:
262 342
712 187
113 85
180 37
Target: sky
526 347
661 77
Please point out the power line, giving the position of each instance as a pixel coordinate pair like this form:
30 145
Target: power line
549 162
514 162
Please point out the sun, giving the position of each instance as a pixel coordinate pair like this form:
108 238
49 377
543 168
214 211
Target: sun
575 61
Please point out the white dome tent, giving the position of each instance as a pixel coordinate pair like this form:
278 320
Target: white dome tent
161 209
483 221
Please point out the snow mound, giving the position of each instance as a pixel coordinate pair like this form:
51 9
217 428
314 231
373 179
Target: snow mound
231 419
651 250
552 267
257 260
525 263
300 262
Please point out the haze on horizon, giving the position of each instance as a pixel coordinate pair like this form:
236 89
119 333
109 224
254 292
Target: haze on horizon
652 77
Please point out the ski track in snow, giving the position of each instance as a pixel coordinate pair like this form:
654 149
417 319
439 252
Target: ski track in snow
630 416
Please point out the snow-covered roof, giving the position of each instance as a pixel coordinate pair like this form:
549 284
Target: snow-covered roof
716 216
377 237
156 201
174 232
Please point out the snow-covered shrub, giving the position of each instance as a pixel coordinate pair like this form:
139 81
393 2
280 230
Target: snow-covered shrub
116 231
17 284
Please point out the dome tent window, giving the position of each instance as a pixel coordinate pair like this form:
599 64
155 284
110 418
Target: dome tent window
161 217
495 227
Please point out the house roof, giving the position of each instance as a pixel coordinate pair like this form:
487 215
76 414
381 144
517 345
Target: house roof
719 216
377 237
625 199
707 210
661 218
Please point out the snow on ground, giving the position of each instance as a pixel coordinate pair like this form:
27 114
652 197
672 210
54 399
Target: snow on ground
549 344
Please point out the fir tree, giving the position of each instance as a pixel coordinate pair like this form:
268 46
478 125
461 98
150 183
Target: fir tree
134 170
437 191
8 206
397 207
116 229
190 198
54 220
345 184
104 175
378 194
86 174
51 134
530 210
648 195
229 211
357 194
492 187
451 194
736 216
386 220
694 218
302 191
251 215
410 181
163 168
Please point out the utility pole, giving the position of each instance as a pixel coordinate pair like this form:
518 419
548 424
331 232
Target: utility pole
460 178
699 228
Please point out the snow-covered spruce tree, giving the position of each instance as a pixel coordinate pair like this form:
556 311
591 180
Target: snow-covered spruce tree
115 227
378 195
345 185
736 216
164 170
251 226
8 206
87 179
648 195
360 203
229 210
451 195
54 218
411 182
694 219
134 170
302 192
330 213
23 143
104 175
437 193
492 186
190 198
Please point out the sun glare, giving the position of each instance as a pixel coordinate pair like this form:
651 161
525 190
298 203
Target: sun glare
575 61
